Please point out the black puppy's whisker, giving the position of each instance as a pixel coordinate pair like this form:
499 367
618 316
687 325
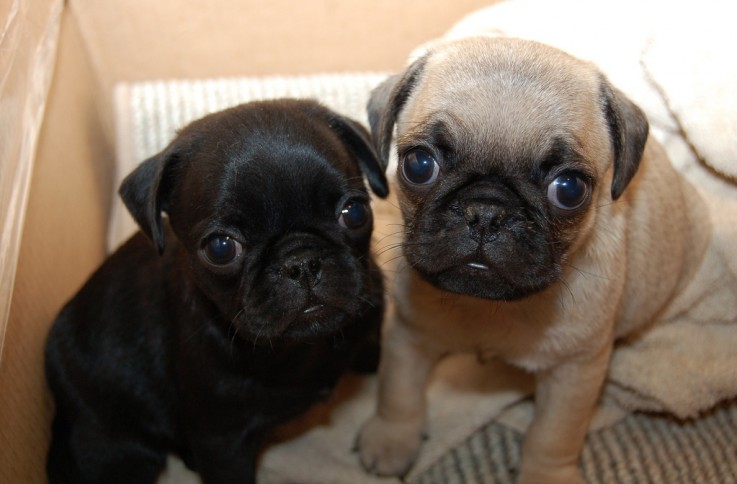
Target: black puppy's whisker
388 248
237 315
389 262
233 328
395 264
232 339
389 236
255 339
364 299
396 236
409 245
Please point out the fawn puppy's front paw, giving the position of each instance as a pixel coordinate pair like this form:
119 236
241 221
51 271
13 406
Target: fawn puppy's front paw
389 448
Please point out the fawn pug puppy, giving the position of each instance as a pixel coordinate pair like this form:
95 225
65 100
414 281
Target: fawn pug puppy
540 225
255 296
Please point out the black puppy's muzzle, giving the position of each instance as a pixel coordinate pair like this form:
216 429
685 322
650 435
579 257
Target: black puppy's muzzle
302 267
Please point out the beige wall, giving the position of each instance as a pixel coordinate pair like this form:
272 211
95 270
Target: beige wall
107 41
139 40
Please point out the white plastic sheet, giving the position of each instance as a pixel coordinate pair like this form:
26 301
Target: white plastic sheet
28 45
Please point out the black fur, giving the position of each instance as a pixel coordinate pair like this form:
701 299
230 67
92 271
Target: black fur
386 103
628 129
170 354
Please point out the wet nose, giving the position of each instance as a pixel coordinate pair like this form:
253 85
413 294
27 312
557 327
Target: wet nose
304 269
481 215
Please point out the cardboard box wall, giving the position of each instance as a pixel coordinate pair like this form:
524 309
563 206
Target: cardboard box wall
59 226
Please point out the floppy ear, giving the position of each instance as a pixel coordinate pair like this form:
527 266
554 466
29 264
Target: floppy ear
628 129
356 138
386 102
145 192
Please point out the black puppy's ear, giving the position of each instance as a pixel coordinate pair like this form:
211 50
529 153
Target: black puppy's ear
356 138
145 192
628 129
386 102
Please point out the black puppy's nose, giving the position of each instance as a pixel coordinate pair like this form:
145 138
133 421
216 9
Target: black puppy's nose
482 215
303 269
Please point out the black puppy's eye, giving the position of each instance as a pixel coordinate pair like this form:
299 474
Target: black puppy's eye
568 192
419 167
221 249
354 215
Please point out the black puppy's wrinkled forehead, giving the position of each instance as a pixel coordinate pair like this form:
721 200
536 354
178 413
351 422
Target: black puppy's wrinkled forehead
262 167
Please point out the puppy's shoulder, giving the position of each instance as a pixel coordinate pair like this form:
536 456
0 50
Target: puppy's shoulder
129 288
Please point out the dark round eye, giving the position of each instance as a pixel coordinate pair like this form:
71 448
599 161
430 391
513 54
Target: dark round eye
420 168
354 215
221 250
568 191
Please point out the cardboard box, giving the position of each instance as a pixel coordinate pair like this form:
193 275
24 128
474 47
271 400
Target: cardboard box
59 64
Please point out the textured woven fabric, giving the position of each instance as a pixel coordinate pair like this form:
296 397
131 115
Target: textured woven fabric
638 449
161 107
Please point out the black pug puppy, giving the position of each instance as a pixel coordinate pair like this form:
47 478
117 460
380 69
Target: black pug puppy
255 296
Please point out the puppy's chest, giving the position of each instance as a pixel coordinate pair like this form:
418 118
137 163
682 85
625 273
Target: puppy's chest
529 334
